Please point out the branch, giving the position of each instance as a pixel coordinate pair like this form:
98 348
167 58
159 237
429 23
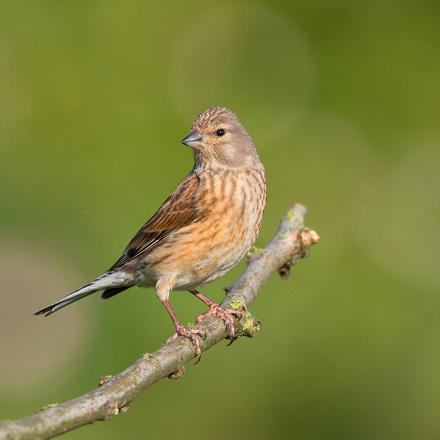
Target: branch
114 394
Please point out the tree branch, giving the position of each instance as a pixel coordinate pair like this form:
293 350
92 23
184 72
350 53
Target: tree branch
114 394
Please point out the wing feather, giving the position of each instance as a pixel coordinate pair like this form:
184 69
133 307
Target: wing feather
179 210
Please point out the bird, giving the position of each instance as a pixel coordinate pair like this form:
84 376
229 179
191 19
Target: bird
202 230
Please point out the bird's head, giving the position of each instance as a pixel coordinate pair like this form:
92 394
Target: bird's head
218 138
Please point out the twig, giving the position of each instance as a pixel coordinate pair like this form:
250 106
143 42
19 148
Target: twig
114 394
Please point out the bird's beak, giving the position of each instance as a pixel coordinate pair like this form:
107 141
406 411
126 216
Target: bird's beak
193 140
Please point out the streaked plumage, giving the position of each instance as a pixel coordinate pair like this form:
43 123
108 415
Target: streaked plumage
203 229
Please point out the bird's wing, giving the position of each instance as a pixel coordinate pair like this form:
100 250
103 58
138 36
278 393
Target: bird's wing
179 210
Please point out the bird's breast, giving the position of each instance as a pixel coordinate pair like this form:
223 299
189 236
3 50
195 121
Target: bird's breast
232 204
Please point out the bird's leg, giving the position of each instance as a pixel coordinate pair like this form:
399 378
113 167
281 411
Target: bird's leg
215 309
181 330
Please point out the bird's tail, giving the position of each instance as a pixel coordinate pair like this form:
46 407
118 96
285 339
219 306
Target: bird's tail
106 281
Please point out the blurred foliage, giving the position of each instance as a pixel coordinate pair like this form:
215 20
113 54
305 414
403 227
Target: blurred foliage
342 99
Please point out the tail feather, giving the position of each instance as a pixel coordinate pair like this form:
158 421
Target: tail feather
108 293
106 281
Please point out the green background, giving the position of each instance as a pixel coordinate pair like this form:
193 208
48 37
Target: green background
342 99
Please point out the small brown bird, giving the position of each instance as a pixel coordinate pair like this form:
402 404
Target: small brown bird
202 230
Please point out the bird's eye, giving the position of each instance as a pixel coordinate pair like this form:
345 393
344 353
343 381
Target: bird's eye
220 132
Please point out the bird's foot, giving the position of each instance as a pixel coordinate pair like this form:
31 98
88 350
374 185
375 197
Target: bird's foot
227 315
193 334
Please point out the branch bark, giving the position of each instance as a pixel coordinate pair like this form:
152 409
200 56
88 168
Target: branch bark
114 394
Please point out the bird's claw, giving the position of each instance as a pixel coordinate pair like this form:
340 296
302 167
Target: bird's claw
227 315
192 334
